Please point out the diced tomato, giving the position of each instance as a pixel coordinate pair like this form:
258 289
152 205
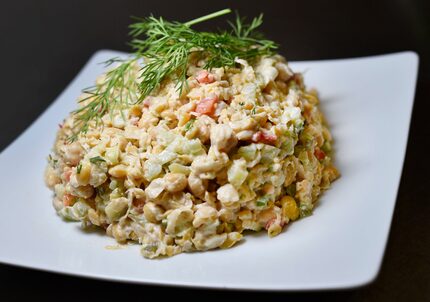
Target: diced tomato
319 154
264 137
68 200
67 175
204 77
207 106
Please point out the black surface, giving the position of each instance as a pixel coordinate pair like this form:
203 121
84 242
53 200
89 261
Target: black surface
45 43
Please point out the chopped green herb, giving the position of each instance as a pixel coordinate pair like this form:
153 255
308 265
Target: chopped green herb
96 159
189 125
52 161
79 168
242 103
261 202
253 111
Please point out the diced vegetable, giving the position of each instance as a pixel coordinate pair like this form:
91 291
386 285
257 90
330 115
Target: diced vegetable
248 152
164 137
268 154
319 154
307 137
264 137
194 147
288 146
204 77
262 201
112 155
151 169
77 212
237 173
165 156
68 200
116 208
189 124
326 147
207 105
305 210
304 158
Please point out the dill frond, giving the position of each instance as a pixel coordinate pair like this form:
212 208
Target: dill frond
166 47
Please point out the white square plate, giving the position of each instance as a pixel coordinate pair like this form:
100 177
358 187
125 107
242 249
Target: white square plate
368 103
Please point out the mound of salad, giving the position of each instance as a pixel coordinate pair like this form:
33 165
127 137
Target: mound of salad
190 141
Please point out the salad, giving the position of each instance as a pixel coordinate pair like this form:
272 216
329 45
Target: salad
192 140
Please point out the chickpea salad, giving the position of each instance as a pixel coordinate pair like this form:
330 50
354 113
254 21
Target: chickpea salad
186 145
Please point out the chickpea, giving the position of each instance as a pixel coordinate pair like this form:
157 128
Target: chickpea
175 182
73 153
197 185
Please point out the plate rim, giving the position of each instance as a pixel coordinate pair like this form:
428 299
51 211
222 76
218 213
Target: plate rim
113 278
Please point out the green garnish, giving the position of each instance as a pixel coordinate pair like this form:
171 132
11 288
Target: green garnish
326 147
79 168
189 125
262 202
52 161
241 103
253 111
166 48
305 211
96 159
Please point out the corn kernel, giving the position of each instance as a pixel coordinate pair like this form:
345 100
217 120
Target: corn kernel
274 230
289 208
183 119
119 171
232 238
83 177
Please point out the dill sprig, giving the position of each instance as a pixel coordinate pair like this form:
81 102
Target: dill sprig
166 47
115 92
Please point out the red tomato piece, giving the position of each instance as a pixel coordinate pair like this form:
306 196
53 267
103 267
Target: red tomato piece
67 175
204 77
68 200
264 137
319 154
207 106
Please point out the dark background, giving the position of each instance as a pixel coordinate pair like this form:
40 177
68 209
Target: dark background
45 43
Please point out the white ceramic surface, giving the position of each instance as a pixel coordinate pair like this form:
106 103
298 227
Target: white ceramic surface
368 104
